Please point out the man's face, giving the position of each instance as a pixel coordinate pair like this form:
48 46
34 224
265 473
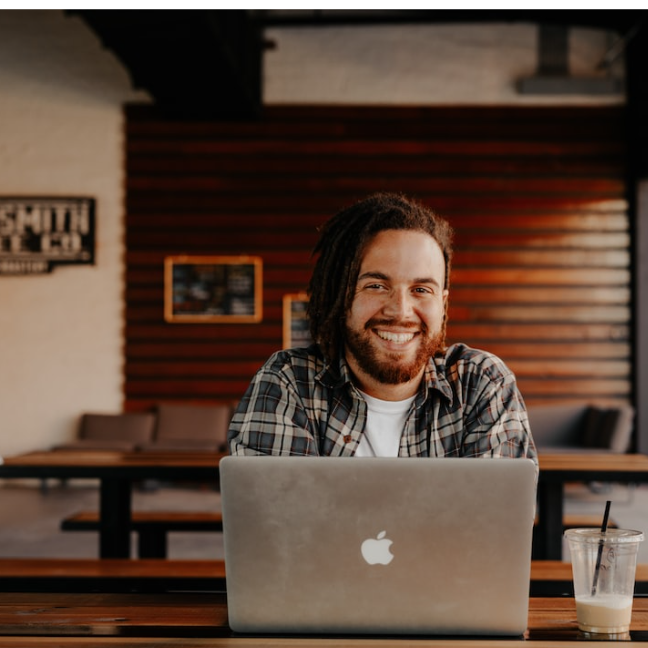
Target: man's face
396 317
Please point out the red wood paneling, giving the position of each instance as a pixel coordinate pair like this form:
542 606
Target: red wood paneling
537 197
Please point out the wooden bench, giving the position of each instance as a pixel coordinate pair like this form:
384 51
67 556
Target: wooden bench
151 526
110 575
548 577
554 578
573 522
583 521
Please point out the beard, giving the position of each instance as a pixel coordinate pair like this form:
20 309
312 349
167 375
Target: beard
391 369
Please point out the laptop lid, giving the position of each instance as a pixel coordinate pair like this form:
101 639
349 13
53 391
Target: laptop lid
378 545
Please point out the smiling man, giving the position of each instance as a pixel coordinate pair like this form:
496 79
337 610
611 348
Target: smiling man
379 379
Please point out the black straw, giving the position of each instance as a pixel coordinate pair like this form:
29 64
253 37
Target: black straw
599 555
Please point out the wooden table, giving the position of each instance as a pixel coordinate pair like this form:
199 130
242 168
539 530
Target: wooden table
185 619
558 469
116 472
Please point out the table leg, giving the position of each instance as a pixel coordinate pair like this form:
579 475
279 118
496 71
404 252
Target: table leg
550 521
115 518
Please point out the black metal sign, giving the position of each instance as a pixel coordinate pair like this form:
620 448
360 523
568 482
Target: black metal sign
39 233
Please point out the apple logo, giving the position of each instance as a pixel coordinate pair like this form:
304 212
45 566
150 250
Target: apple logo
376 550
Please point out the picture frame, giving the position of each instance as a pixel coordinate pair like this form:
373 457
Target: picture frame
213 289
296 326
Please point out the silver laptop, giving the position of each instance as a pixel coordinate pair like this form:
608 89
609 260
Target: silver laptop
378 546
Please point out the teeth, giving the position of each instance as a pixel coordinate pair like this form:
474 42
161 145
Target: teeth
399 338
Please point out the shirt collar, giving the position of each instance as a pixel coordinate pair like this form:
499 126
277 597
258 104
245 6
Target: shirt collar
331 376
435 378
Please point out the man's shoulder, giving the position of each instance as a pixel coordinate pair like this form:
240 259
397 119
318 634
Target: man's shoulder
297 361
465 359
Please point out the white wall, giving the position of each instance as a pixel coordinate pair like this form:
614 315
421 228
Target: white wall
61 134
421 64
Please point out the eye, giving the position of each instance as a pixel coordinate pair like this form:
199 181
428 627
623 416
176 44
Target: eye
373 286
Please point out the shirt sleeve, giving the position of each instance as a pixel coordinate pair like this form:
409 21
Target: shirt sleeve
271 419
496 421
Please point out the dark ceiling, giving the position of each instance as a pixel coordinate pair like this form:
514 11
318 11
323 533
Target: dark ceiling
208 63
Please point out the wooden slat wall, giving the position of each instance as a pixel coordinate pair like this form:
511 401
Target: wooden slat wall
536 195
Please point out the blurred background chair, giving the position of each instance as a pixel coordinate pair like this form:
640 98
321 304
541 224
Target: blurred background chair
119 432
582 428
187 427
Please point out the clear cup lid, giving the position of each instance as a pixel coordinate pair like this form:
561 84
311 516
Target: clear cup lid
595 536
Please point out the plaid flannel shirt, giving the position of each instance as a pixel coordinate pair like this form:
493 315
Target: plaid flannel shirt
468 405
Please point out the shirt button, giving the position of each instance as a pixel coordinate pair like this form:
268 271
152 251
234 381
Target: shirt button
348 438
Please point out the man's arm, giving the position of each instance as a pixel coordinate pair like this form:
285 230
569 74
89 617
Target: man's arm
496 422
271 419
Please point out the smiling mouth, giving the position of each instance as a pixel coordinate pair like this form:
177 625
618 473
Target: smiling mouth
398 338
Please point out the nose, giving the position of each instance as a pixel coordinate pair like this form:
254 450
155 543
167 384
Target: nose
399 304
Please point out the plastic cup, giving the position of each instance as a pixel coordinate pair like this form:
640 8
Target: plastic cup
603 568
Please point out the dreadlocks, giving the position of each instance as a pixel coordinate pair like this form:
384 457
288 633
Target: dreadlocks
341 246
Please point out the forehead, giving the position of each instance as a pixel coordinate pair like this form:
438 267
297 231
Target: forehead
404 253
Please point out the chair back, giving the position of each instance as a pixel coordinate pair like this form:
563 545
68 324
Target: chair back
190 425
136 427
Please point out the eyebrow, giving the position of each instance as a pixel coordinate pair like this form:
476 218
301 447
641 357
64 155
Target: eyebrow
380 275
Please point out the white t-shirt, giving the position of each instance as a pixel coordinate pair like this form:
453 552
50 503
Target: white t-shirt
385 423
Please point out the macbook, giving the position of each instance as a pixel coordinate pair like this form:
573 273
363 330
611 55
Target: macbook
325 545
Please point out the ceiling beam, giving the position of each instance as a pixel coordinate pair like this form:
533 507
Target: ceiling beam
195 64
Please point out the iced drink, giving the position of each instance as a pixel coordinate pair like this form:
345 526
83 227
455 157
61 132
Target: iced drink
603 567
604 613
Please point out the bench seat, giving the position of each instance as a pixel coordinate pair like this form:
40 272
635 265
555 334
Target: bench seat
548 577
577 521
554 578
152 526
109 575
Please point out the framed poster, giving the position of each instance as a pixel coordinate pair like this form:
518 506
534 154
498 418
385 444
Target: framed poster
296 327
208 289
